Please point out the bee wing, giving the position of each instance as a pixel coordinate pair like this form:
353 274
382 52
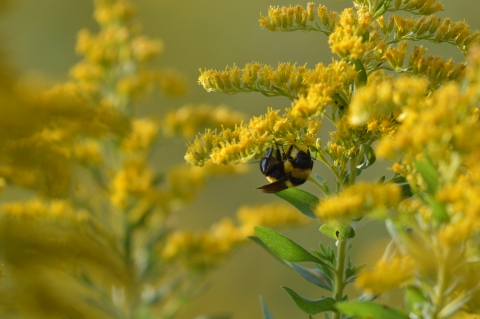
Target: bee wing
278 185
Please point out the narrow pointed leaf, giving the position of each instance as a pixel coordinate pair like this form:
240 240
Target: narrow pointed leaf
315 276
322 182
414 299
362 74
382 8
302 200
265 311
369 310
429 174
369 158
311 307
259 242
284 247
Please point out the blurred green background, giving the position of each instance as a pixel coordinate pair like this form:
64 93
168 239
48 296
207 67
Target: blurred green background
40 39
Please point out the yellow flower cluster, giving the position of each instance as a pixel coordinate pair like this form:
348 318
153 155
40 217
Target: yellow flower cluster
349 39
438 125
142 136
37 151
325 85
299 18
271 215
356 201
88 152
286 80
460 200
36 241
387 275
201 250
388 97
189 119
429 28
137 181
248 141
119 50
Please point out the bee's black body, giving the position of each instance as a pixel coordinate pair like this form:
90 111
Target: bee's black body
284 170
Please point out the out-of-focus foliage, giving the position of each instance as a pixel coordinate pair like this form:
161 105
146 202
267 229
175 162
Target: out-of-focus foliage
98 237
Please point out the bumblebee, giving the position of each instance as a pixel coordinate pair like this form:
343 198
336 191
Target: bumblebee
284 170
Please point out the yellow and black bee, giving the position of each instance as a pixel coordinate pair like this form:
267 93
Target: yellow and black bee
285 170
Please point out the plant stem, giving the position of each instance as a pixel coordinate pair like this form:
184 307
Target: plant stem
324 160
440 286
339 277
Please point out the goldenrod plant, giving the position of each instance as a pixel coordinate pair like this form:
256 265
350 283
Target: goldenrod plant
96 234
386 98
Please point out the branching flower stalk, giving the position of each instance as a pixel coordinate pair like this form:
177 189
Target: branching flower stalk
417 114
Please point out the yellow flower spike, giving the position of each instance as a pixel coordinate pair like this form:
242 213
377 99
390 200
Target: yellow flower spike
421 27
357 201
387 275
322 12
381 23
333 20
275 16
265 23
270 215
443 29
289 13
144 49
206 80
88 153
456 233
310 7
298 9
143 135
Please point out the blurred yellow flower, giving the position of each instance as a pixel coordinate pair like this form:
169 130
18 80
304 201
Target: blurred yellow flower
386 275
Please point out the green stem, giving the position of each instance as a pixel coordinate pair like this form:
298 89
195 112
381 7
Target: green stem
339 274
332 168
439 290
353 170
320 186
131 297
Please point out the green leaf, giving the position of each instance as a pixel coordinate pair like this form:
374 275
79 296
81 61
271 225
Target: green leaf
264 246
369 310
302 200
311 307
382 8
361 80
315 276
438 209
284 247
429 174
352 272
369 158
337 231
265 311
323 183
414 299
